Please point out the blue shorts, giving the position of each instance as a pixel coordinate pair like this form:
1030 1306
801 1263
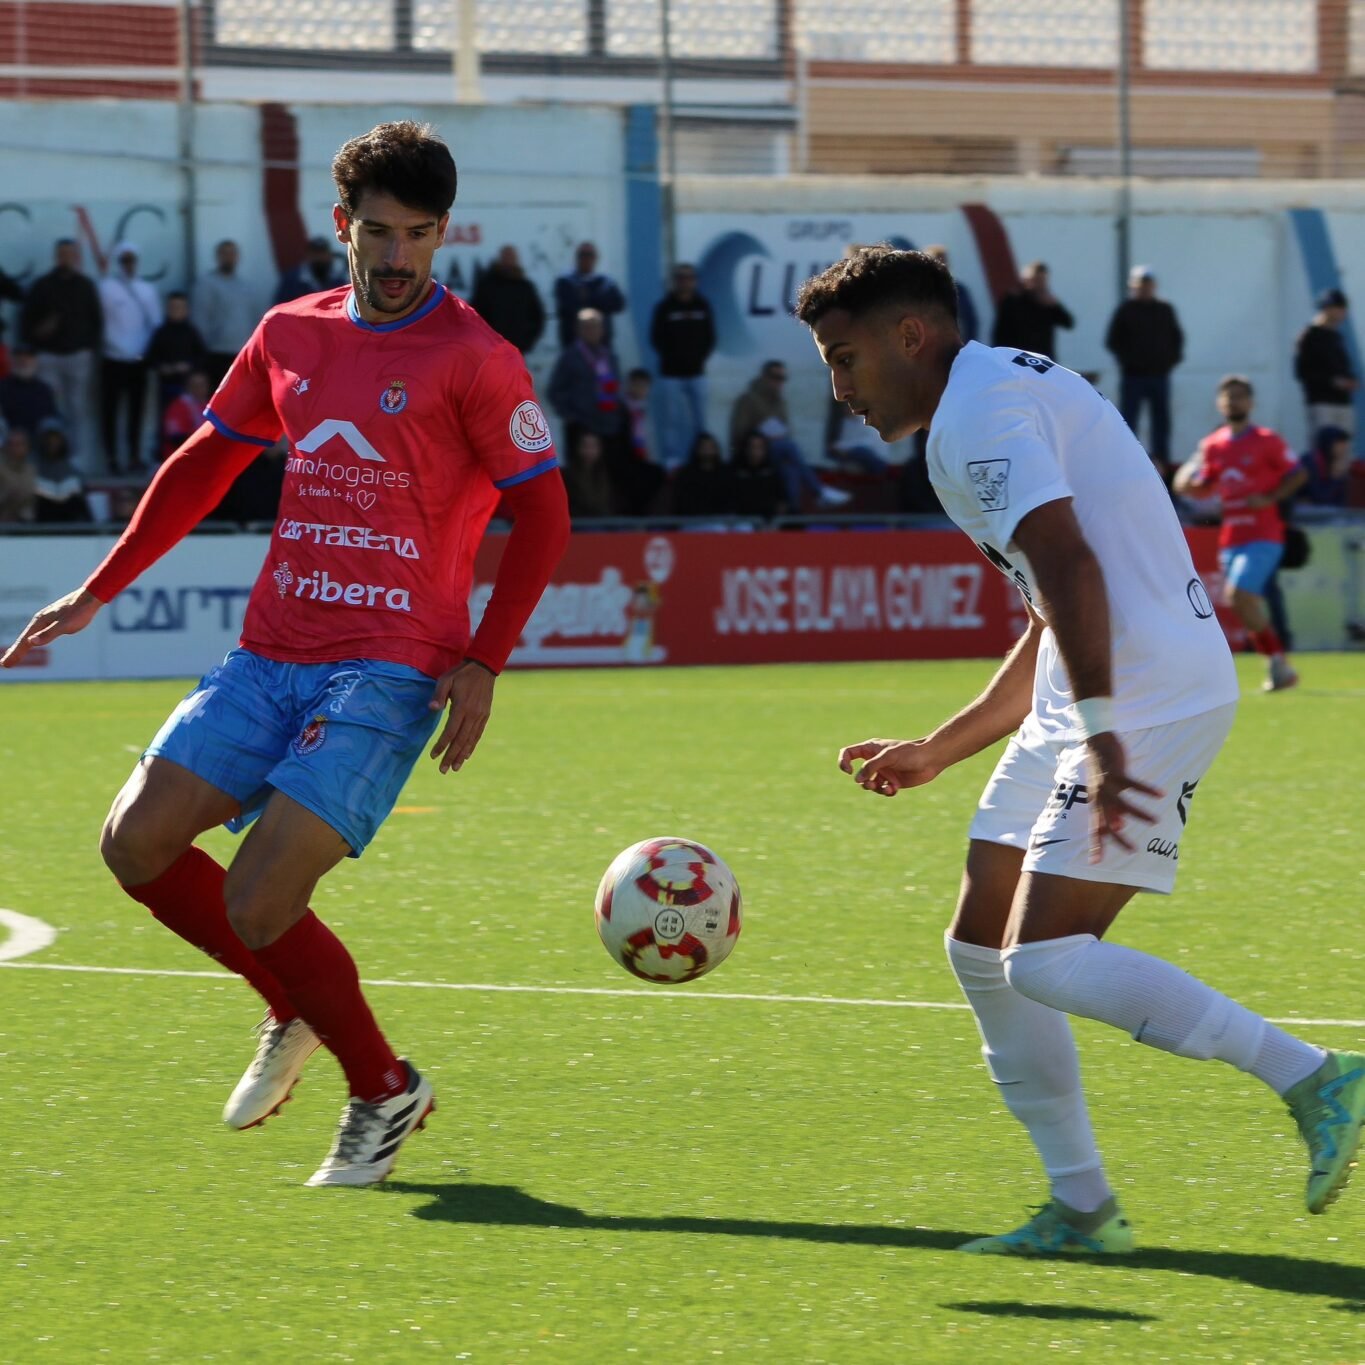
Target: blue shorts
1249 566
338 738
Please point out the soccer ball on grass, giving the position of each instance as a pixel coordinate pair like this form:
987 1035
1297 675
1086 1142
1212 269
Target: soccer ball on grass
668 910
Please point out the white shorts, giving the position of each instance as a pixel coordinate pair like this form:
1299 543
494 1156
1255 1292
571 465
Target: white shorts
1036 800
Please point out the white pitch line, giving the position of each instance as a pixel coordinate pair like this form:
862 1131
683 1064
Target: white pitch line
26 935
662 993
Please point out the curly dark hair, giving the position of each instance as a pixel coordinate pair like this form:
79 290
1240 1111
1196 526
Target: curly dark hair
406 160
876 275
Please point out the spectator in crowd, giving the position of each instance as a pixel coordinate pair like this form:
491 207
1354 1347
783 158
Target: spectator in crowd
585 287
850 443
1145 338
968 321
587 480
255 493
10 289
507 299
132 312
25 400
1322 365
225 311
683 334
756 485
585 387
176 351
704 487
762 407
1027 318
1328 468
636 471
1252 471
320 270
184 414
60 491
63 321
18 477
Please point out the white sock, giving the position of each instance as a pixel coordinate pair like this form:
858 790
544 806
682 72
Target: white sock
1157 1003
1031 1055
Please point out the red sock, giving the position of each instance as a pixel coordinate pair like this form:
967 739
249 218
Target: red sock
320 978
188 899
1267 642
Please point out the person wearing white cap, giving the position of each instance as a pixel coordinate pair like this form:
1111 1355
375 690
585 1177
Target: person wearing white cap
1146 339
132 312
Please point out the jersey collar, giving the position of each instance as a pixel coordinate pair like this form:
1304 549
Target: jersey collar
438 293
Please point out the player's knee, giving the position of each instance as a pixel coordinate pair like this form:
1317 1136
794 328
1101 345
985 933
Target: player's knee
1043 970
129 852
256 917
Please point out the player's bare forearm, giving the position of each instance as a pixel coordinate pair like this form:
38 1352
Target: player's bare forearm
1001 707
1073 598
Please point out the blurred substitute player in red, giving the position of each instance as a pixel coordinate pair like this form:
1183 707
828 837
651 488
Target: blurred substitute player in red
408 419
1252 471
1117 697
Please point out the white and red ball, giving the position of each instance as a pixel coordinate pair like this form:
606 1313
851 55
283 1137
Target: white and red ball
668 909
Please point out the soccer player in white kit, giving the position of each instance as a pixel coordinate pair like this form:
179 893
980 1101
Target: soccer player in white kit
1117 697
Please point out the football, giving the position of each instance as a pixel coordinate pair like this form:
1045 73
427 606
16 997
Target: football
668 910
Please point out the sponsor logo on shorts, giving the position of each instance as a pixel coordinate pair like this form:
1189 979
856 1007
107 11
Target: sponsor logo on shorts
320 586
1186 794
350 537
991 483
1165 848
528 429
1069 794
311 737
395 397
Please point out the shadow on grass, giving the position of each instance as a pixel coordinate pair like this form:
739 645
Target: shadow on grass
508 1206
1010 1308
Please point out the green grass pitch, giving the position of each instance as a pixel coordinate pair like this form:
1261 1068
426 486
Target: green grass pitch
664 1175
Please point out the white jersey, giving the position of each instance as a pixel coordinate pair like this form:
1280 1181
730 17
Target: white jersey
1014 431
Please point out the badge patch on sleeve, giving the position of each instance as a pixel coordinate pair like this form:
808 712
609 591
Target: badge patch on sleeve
528 428
990 483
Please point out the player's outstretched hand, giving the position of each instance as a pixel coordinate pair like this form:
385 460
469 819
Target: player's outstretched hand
65 616
469 690
891 765
1110 807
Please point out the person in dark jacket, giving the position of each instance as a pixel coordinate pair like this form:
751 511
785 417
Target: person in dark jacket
591 490
756 483
1027 318
25 401
1328 466
585 287
176 351
585 386
10 289
63 321
320 270
1322 365
704 486
509 302
60 492
1145 338
683 334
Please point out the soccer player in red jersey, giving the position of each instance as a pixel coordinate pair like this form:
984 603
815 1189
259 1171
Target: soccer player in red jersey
408 420
1252 470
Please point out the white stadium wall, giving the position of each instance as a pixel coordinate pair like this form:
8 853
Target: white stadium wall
1234 257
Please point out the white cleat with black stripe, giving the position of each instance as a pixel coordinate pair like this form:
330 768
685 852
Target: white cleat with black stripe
370 1135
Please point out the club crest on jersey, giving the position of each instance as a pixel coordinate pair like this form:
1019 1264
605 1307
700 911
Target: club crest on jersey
310 738
528 429
395 397
283 576
991 483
